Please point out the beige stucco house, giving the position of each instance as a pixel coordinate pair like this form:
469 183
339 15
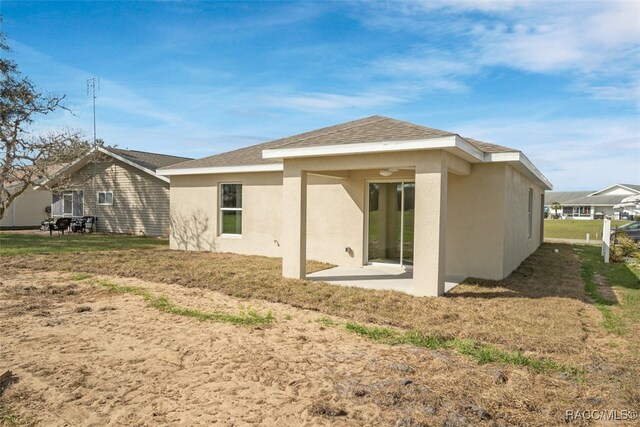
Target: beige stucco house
119 187
375 190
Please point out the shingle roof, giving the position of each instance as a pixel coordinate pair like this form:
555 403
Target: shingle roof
563 196
148 160
574 198
632 186
369 129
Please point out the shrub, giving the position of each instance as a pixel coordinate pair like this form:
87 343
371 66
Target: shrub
624 248
636 217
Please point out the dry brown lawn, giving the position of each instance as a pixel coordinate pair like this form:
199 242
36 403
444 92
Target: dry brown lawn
136 365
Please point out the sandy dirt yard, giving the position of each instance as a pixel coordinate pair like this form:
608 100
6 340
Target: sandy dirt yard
84 355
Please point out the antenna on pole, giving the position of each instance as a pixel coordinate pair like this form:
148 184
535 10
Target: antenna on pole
93 86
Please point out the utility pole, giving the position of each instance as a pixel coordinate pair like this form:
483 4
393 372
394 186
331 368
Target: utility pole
93 86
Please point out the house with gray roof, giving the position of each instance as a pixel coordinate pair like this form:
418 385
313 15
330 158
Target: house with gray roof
375 196
119 187
593 204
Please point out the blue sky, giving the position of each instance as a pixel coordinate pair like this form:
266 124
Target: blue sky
558 80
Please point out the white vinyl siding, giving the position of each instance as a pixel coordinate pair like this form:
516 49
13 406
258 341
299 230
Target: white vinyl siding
142 206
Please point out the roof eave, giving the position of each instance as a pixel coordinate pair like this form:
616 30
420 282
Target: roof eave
133 164
451 142
216 170
521 163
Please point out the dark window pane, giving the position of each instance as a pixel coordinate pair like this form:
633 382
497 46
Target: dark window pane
231 195
231 222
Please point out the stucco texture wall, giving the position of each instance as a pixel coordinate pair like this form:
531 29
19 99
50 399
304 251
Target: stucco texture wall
517 243
195 213
475 222
486 213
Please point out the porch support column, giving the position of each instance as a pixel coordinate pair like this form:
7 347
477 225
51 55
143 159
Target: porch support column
294 223
430 226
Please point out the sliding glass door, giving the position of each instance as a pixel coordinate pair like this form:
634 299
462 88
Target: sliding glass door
390 222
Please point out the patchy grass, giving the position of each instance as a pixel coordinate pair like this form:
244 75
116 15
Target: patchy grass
81 276
540 317
326 321
576 228
7 417
622 278
480 352
517 313
23 243
537 330
247 317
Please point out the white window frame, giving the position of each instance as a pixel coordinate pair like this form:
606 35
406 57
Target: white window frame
105 197
65 214
365 252
530 213
222 209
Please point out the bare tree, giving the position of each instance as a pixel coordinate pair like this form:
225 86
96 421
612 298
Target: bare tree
27 158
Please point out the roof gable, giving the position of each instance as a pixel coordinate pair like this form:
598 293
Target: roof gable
144 161
618 189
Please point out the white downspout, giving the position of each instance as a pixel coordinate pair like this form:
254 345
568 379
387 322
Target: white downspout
13 212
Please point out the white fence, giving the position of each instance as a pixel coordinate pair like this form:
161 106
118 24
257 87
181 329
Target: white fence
606 239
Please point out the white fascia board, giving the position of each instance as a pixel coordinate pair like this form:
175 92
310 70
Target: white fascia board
517 156
634 191
469 148
367 147
132 164
274 167
73 166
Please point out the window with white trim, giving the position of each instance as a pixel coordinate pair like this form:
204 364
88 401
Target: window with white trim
530 212
105 198
230 209
67 203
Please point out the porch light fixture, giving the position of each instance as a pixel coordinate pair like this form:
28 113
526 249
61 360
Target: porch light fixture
387 172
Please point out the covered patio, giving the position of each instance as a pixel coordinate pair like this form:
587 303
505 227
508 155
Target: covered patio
422 273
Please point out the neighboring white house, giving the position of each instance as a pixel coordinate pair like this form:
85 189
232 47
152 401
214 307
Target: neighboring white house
27 210
370 191
119 187
593 204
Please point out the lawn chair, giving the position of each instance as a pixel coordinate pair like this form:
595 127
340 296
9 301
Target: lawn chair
90 223
77 225
61 225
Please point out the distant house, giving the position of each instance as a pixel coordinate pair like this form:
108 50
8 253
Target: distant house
26 210
119 187
592 204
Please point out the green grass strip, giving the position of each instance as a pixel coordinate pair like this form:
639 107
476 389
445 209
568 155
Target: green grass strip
247 317
483 353
611 321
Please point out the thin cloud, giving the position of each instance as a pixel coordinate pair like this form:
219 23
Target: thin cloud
593 43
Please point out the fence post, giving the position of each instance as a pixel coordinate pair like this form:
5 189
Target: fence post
606 239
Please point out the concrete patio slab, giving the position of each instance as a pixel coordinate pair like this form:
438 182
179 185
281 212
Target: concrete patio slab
375 277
